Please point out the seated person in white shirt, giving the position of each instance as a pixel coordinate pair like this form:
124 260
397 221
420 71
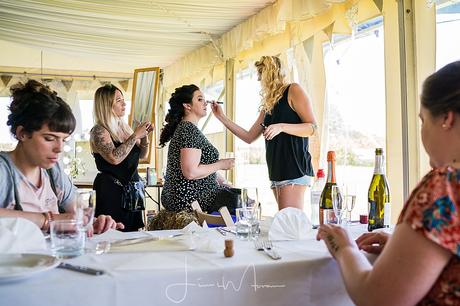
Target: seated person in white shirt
40 121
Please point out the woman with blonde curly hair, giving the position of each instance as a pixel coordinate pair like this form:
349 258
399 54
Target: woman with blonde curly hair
286 121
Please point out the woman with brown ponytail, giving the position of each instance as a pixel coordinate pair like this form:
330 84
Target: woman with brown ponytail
193 162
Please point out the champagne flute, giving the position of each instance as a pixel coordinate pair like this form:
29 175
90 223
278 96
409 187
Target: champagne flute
337 204
86 206
350 200
227 172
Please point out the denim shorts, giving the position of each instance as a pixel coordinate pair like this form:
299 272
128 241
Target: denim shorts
303 180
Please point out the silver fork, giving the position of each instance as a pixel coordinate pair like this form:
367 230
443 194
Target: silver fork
267 247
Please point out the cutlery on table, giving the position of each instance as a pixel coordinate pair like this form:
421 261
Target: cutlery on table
130 241
267 247
81 269
228 230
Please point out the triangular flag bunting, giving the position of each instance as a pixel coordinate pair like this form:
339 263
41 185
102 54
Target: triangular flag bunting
67 84
328 31
6 79
124 84
308 47
379 4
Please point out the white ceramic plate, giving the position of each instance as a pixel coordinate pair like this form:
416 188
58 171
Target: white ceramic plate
14 267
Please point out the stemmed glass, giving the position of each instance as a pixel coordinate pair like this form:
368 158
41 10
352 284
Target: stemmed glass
86 206
337 203
350 200
250 197
227 172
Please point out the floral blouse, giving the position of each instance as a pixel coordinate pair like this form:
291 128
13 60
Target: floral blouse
433 210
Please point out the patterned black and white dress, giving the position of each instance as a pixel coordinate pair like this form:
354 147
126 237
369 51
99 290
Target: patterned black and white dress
178 192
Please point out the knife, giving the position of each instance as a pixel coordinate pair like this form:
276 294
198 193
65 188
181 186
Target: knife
82 269
130 241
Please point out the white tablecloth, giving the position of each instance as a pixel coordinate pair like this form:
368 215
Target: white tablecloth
306 275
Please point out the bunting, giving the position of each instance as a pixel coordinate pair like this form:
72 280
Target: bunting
308 47
328 31
67 84
379 4
124 84
6 79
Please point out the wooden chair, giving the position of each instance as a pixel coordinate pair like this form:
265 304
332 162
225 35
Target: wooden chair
224 219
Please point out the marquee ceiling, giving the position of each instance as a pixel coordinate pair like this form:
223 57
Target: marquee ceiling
144 33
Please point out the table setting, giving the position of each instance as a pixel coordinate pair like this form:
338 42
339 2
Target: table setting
279 263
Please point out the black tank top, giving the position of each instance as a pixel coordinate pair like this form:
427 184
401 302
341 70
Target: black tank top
126 170
287 155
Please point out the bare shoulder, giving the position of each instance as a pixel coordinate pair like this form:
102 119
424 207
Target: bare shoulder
295 88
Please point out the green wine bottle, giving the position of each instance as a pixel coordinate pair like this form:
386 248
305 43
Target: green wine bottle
326 210
379 195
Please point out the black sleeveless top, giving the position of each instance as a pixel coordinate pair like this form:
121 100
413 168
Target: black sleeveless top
126 170
109 193
287 155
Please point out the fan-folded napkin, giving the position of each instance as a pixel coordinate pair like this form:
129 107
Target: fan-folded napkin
290 224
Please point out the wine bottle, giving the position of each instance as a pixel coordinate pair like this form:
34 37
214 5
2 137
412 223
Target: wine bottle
325 204
379 195
315 196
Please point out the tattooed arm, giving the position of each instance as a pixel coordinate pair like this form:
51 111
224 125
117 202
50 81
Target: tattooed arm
102 143
403 274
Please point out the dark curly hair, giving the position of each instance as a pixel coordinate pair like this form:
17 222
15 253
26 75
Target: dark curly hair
441 90
181 95
35 104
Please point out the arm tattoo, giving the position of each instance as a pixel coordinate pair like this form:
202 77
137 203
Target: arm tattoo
332 243
107 148
123 150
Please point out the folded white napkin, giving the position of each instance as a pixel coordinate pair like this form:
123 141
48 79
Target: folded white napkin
204 238
290 224
19 235
193 227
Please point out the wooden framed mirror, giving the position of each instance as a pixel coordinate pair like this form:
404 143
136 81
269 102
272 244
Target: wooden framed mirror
143 105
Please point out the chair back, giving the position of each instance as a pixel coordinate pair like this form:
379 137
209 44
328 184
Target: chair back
224 219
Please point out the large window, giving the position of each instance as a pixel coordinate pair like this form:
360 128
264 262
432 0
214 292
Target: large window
7 141
250 158
447 27
355 123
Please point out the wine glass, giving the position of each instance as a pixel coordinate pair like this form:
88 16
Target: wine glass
337 203
227 172
86 206
350 200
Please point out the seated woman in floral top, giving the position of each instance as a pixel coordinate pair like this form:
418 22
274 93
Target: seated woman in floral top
193 162
420 263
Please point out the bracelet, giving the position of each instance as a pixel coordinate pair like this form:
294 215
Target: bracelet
48 218
46 223
144 145
314 127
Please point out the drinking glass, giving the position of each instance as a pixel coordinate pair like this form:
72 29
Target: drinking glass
227 172
86 206
350 200
337 204
249 197
247 223
67 238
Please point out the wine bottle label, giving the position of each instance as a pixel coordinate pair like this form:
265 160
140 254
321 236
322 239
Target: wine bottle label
387 215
